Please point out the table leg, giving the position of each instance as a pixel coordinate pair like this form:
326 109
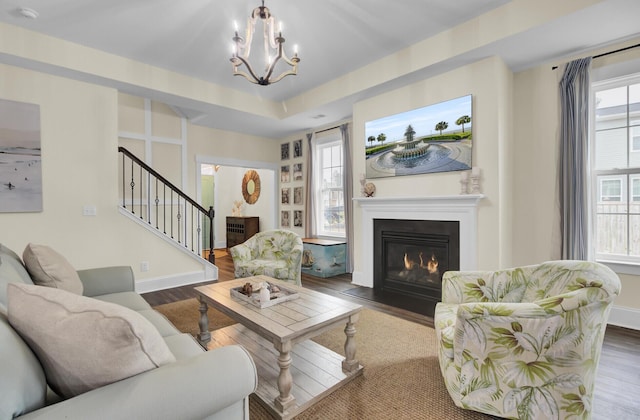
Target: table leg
204 336
285 381
350 364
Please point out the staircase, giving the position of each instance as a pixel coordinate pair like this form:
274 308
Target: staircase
153 201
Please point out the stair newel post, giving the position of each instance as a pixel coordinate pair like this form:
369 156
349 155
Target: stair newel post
212 257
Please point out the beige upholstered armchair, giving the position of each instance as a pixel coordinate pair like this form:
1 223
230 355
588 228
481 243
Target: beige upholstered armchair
525 342
274 253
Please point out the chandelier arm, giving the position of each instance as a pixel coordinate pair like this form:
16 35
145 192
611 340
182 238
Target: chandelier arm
284 74
271 67
249 69
246 76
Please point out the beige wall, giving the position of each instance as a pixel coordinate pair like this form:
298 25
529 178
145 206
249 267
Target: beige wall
490 83
79 125
79 166
535 155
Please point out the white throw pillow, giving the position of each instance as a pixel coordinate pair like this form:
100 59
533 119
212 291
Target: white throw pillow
49 268
83 343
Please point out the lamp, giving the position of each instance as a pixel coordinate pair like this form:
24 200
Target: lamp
272 47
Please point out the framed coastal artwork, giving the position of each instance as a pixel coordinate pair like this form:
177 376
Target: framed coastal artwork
20 158
435 138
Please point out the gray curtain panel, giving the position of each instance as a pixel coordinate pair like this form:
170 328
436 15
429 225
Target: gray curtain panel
573 159
309 198
348 192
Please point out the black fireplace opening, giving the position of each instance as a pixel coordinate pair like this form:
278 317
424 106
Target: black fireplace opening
410 258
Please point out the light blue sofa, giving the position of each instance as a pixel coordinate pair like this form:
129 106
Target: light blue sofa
199 385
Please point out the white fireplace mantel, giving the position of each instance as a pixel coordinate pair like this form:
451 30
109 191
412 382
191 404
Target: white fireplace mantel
462 208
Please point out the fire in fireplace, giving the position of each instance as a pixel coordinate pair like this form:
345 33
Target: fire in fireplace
410 257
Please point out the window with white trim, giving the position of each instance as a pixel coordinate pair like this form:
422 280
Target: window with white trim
615 165
329 185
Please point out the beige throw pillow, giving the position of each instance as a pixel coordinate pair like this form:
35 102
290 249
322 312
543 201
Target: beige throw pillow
83 343
49 268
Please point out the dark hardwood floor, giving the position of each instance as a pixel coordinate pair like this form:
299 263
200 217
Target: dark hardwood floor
618 381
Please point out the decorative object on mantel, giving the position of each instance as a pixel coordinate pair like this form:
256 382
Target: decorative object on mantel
273 49
464 182
236 211
369 189
251 186
363 180
475 180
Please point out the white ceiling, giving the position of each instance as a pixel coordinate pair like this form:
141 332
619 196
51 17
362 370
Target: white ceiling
335 37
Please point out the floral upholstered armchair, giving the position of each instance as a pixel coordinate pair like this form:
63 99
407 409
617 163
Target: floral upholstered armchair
524 343
274 253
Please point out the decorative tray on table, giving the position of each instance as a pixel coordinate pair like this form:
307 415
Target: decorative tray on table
250 293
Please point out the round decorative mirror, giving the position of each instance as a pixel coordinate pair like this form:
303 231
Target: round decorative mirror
251 186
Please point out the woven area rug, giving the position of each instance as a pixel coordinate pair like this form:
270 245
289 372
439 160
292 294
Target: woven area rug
401 377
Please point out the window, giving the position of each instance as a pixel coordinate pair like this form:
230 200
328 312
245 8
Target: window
610 189
616 169
329 185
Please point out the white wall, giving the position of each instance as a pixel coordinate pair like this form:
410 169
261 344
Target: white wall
229 190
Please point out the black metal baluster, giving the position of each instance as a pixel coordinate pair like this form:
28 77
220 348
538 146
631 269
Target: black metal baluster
178 217
171 214
148 197
141 213
124 189
191 230
157 202
212 257
133 184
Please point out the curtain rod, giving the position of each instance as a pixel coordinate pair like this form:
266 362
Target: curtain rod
327 129
609 52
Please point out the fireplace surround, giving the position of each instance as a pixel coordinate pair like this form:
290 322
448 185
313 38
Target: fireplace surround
457 208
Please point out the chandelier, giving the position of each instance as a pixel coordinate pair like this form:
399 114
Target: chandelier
273 49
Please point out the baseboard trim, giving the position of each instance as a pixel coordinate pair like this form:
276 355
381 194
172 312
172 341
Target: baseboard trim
625 317
167 282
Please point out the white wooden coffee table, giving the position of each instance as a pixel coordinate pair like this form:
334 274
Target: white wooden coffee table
291 379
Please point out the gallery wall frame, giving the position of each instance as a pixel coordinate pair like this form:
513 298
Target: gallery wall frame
434 138
297 148
20 157
297 171
298 196
285 196
285 174
297 218
284 151
285 218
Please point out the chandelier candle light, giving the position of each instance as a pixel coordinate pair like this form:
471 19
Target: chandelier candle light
273 49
